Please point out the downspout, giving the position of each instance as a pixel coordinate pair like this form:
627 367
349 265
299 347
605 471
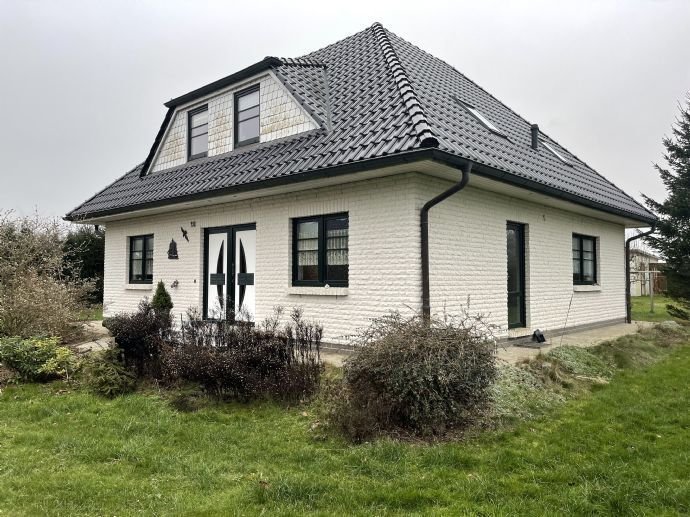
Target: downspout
628 301
424 220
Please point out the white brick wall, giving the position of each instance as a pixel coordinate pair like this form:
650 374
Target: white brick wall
380 254
468 258
280 116
467 245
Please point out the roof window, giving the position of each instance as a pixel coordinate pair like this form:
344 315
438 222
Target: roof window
481 118
556 153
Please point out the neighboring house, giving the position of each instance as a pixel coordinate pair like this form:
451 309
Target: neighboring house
646 269
301 182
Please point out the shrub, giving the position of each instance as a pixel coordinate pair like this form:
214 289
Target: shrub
140 336
39 294
36 359
244 362
413 377
105 374
162 302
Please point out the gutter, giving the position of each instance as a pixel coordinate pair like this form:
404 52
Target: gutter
392 159
424 226
628 301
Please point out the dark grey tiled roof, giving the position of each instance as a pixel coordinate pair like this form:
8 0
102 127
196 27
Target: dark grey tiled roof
376 98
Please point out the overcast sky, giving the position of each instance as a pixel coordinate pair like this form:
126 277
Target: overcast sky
82 84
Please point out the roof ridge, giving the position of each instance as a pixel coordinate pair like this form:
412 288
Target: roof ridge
414 108
301 61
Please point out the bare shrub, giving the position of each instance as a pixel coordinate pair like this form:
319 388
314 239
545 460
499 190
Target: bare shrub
409 376
39 295
245 362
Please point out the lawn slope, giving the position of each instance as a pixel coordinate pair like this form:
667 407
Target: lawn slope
622 449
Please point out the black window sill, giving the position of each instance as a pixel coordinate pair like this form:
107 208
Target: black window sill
297 283
197 156
247 142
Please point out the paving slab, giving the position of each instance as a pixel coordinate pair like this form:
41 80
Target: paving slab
515 354
584 338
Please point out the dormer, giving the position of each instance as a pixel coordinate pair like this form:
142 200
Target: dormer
249 108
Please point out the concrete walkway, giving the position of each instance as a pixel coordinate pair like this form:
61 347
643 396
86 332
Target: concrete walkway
585 338
96 337
515 354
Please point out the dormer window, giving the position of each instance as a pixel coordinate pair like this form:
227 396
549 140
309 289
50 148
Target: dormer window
198 133
247 116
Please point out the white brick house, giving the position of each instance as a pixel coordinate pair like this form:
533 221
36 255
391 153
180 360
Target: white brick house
302 182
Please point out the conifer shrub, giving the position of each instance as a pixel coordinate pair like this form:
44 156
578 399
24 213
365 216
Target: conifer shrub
162 302
105 374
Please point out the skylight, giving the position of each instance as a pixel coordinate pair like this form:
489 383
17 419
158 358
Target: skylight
556 153
481 118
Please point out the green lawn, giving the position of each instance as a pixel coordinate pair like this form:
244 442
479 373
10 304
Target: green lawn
641 306
623 449
93 313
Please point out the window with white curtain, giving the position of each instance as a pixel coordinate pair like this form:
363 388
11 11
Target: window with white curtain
320 250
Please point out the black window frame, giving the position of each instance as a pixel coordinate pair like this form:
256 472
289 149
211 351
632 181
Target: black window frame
146 238
323 279
595 265
236 125
190 114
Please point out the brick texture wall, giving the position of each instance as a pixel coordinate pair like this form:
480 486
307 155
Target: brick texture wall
380 254
467 247
280 116
469 259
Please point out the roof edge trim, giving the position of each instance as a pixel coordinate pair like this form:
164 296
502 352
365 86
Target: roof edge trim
260 66
405 157
414 108
156 142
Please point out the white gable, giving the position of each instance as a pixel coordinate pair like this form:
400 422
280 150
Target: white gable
280 116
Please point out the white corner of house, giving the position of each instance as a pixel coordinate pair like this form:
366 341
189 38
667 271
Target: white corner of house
587 288
139 287
317 291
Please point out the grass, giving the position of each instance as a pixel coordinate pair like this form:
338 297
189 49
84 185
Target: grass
622 448
641 306
93 313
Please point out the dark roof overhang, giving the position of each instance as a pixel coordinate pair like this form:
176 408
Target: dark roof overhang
245 73
373 163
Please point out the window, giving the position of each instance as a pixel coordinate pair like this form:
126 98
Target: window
556 153
141 259
198 133
480 117
247 116
320 252
584 260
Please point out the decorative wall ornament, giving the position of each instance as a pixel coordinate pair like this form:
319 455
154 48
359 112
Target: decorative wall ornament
172 250
184 234
175 283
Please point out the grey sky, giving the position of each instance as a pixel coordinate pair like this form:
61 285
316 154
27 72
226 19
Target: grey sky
83 83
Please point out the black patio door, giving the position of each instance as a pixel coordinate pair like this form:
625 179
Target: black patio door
515 235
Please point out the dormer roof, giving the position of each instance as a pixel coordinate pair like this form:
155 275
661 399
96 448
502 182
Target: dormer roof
377 99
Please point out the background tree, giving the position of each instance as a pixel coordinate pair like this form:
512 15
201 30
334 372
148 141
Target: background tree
84 247
672 238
